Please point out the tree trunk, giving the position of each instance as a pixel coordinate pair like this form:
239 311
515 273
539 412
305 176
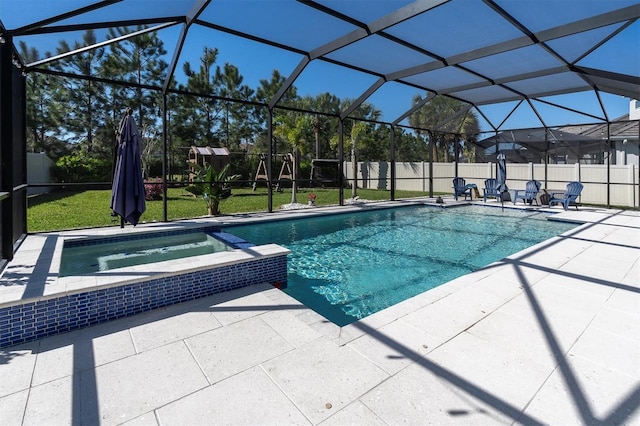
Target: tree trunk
214 207
294 184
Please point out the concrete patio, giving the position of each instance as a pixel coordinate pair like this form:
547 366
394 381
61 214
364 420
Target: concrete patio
550 335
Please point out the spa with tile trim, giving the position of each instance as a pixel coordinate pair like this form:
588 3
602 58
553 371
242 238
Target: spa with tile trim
37 301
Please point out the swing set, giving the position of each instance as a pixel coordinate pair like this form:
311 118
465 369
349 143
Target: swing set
288 165
286 171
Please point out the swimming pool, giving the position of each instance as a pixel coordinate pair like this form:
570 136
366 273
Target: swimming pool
348 266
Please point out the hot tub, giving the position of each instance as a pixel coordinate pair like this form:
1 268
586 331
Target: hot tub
61 299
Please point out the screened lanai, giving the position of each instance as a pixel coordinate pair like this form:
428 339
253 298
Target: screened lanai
246 75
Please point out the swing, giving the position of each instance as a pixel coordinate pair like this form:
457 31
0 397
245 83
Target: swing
316 176
261 172
286 172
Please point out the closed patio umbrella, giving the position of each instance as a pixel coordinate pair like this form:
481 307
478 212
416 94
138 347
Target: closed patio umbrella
501 176
127 191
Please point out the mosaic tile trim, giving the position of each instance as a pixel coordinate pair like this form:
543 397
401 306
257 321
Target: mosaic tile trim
31 321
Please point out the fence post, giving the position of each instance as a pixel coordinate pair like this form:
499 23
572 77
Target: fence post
531 172
632 180
576 167
424 177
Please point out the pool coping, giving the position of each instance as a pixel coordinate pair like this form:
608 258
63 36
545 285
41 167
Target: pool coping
33 278
36 263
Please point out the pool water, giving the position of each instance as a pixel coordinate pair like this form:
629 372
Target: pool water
86 259
348 266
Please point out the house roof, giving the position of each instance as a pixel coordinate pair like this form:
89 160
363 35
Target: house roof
620 129
206 150
520 54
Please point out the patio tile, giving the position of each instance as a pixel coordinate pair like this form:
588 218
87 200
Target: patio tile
625 236
486 295
552 253
507 374
619 322
436 319
624 300
52 403
618 353
392 313
564 327
172 328
281 298
60 355
505 288
559 299
16 368
125 389
240 308
592 394
223 352
322 373
309 317
147 419
599 263
424 393
590 232
350 332
12 408
243 399
355 413
287 325
56 361
632 278
394 346
516 274
327 328
577 286
524 336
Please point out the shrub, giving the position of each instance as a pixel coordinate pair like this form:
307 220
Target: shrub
80 167
153 189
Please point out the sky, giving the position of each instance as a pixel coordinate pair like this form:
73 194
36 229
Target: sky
257 61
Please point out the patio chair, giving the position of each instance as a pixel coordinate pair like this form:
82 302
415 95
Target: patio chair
529 194
460 188
569 197
492 189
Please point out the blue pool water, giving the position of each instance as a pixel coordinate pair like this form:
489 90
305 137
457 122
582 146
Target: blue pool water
348 266
105 254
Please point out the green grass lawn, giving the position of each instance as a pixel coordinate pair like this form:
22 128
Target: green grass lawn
63 210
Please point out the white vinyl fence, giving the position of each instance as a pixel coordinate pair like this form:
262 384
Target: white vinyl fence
38 172
624 187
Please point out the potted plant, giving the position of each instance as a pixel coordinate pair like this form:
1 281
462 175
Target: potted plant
212 186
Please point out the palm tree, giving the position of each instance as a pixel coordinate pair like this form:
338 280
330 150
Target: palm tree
212 185
298 130
435 113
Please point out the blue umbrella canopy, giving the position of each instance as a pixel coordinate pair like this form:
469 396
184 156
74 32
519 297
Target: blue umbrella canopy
127 191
